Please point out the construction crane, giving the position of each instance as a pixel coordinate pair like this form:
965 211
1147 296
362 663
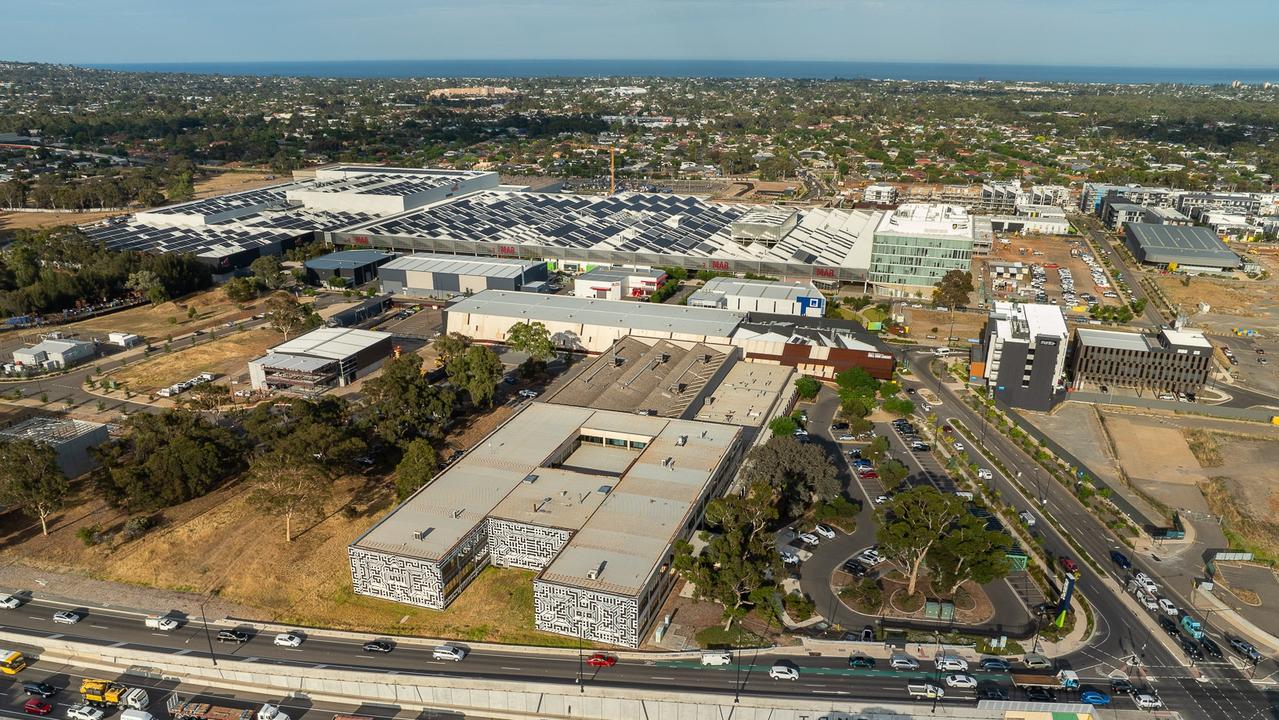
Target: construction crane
612 163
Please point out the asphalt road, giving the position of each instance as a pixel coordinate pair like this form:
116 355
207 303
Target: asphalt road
1122 631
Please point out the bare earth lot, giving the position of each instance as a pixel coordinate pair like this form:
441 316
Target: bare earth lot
10 221
227 182
225 356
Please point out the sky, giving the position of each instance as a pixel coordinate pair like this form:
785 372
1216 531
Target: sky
1145 33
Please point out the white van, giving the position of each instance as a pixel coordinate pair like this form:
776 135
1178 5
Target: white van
952 663
941 351
716 658
448 652
131 714
159 622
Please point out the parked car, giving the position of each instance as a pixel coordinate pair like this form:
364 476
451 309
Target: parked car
1168 607
824 530
1070 566
84 712
235 636
808 538
526 393
951 663
991 692
855 568
601 660
66 617
716 658
994 664
780 671
1094 697
903 662
44 690
1120 559
1244 648
377 646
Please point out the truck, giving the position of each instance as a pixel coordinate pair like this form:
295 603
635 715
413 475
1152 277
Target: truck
1061 680
108 694
1192 626
925 691
184 709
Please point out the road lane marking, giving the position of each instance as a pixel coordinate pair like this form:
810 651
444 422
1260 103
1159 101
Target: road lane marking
661 678
830 692
509 668
35 617
184 651
100 627
160 634
118 644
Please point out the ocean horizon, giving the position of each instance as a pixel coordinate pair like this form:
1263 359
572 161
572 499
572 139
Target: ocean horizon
787 69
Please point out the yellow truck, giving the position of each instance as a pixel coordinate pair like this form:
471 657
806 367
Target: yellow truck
104 693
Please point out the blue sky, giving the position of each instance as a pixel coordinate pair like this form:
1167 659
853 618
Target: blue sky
1168 33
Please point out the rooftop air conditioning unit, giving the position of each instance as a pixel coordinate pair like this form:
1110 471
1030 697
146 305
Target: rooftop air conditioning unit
595 573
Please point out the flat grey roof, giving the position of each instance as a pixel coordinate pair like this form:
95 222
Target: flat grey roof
1180 244
719 287
347 259
612 274
330 343
462 265
1113 339
51 430
653 317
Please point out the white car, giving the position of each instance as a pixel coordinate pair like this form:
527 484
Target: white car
961 681
825 531
789 558
959 447
288 640
985 474
1168 607
1147 601
66 617
950 663
716 658
84 712
783 672
9 602
881 499
808 538
1148 702
448 652
530 394
846 438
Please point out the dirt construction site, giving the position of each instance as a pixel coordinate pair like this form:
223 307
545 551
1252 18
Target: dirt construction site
1052 253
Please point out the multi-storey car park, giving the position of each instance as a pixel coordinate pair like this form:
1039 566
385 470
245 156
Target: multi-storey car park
592 500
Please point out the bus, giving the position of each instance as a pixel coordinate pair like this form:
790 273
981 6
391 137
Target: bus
11 662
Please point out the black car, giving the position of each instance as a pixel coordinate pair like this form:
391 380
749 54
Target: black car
839 426
994 664
1119 686
44 690
1210 647
1169 626
855 568
855 454
1120 559
377 646
991 692
235 636
1190 647
861 661
1040 694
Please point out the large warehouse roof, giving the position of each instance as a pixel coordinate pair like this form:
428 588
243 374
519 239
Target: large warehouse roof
462 265
330 343
346 259
709 322
1182 245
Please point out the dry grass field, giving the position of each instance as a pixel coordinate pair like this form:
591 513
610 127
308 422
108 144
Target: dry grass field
224 356
172 318
220 183
10 221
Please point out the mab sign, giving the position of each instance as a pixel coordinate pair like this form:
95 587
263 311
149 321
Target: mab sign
824 272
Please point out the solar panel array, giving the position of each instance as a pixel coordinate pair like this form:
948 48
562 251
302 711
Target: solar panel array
362 182
236 201
211 240
630 222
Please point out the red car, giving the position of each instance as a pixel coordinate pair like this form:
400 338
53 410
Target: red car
1069 566
868 475
36 706
601 660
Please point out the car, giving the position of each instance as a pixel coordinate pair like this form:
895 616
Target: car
868 475
863 464
1120 686
951 663
601 660
235 636
9 602
1146 600
1263 361
1169 626
789 558
925 407
781 671
526 393
839 426
288 640
1190 647
854 568
66 617
377 646
1070 566
855 454
1035 661
1244 648
910 391
1120 559
1094 697
36 706
1169 607
1210 647
920 445
43 689
509 380
1040 694
808 538
994 664
448 652
903 662
880 500
84 712
1146 701
861 661
870 556
985 474
846 438
1260 351
991 692
824 530
959 680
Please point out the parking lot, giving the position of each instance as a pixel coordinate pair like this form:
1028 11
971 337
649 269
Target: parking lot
423 323
1252 361
1058 271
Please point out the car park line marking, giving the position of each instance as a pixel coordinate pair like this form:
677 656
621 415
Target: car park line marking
160 634
34 617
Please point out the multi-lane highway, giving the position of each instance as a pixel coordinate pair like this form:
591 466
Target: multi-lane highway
1213 689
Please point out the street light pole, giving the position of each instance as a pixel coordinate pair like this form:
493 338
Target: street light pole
204 618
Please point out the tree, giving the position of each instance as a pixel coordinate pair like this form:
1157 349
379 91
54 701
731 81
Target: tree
477 371
953 289
916 520
288 315
783 425
266 269
971 552
892 472
532 338
417 468
241 289
450 346
807 387
739 556
899 406
207 397
141 281
31 479
289 485
799 473
404 405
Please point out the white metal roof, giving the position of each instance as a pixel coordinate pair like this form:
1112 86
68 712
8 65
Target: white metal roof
928 219
1191 338
736 287
1112 339
331 343
461 265
708 322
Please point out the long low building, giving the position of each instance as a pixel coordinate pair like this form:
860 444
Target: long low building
444 276
766 296
320 359
1185 248
821 347
593 500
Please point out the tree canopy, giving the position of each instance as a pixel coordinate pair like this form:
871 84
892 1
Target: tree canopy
532 338
799 473
915 521
403 404
31 479
953 289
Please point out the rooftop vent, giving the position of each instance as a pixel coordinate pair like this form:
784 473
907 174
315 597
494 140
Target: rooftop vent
421 534
664 358
530 479
595 573
682 441
458 513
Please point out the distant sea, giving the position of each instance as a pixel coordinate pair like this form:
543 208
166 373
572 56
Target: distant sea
715 69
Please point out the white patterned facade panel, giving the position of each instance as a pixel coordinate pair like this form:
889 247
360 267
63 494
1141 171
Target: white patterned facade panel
587 614
392 577
532 547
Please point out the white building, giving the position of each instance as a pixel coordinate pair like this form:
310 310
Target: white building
1025 354
917 244
592 500
320 359
53 353
766 296
880 194
610 283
